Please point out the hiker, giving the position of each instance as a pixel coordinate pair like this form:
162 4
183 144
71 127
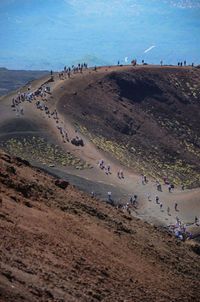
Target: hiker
161 206
143 182
76 134
135 197
157 198
182 187
109 196
106 170
101 163
61 129
177 220
134 202
56 114
148 196
13 102
159 188
122 173
118 174
22 110
128 208
44 96
131 200
175 206
161 62
108 167
165 179
169 188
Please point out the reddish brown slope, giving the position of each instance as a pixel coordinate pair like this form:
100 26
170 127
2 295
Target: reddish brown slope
61 245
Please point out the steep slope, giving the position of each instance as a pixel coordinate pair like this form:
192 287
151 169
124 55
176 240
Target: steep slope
147 117
59 244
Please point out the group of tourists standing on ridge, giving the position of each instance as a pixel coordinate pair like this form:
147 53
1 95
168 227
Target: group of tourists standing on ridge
66 72
134 63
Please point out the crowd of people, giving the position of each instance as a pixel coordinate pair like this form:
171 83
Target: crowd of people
134 63
66 72
179 228
106 168
40 99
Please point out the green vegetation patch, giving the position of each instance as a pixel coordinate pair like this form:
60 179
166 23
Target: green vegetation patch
150 163
37 149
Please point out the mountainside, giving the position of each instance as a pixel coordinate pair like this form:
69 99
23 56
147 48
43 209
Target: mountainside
133 118
13 79
60 244
146 117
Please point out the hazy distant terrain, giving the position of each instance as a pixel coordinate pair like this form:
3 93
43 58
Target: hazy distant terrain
13 79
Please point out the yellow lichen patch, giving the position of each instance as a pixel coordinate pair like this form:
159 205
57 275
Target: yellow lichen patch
149 163
36 149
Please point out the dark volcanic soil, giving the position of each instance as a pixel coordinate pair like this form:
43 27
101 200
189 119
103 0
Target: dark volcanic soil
148 117
59 244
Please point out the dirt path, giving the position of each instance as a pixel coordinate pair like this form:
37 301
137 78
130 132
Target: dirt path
122 189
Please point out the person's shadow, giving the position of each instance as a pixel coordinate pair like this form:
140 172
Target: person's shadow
111 201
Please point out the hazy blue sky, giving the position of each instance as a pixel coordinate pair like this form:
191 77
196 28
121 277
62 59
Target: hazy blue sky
48 34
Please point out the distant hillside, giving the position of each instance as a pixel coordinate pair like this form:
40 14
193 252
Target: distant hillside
13 79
